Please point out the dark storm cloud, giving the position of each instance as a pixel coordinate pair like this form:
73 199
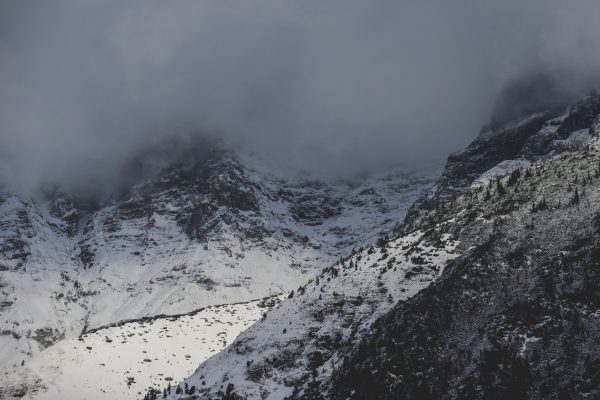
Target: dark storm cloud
335 86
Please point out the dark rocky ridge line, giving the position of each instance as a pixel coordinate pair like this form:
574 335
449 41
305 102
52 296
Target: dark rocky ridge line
530 137
269 303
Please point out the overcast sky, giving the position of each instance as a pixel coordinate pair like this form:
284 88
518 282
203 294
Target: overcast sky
336 86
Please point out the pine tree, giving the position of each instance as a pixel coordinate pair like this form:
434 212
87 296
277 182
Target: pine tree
576 197
229 393
499 187
487 195
514 177
541 206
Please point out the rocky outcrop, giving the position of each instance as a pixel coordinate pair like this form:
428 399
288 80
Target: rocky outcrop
528 139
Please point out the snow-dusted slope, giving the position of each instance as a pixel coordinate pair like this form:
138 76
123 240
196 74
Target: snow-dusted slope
517 314
122 361
37 297
299 347
206 230
299 344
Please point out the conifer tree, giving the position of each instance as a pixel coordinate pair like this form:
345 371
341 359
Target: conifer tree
499 187
487 195
576 197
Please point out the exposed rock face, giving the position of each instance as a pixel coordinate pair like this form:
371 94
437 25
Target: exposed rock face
313 208
486 151
525 140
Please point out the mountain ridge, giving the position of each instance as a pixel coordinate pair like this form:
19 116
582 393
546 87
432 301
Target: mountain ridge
462 221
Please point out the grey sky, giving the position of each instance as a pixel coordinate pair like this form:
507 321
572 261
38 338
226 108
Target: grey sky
336 86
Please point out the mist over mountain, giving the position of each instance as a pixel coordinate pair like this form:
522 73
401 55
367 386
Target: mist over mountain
339 87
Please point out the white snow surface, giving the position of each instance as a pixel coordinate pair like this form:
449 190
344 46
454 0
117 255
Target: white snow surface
123 361
502 169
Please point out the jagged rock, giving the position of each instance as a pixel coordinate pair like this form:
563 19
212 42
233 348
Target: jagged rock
528 139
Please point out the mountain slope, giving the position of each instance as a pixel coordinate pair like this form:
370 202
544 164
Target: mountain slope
492 285
516 314
296 345
211 227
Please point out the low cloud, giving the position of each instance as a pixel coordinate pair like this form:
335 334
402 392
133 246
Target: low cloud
337 86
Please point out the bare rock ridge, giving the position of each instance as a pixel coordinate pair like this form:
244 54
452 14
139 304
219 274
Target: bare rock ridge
515 143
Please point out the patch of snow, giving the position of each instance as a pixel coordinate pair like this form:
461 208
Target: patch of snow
502 169
123 361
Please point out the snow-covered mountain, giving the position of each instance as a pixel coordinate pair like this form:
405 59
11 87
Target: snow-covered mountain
210 227
491 292
488 291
